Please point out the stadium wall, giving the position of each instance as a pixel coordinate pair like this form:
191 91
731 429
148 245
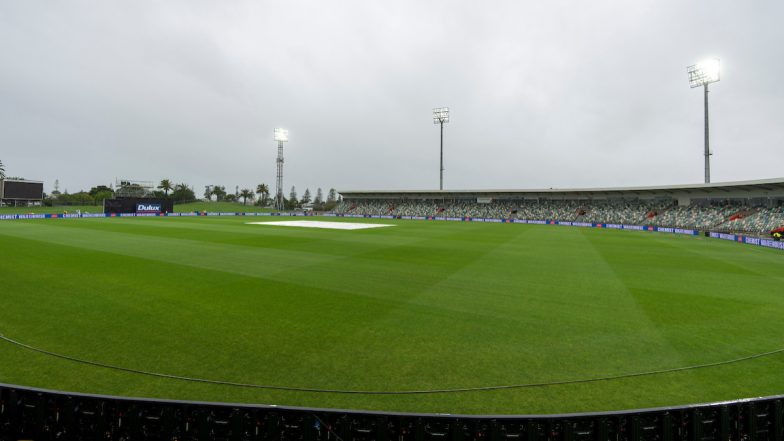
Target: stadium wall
30 413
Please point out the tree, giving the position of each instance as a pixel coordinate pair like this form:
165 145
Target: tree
263 192
93 191
130 190
230 197
219 192
306 196
319 197
101 195
208 192
56 191
166 186
2 170
245 194
332 196
183 193
293 195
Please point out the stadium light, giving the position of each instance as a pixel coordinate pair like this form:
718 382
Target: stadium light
441 117
281 136
701 74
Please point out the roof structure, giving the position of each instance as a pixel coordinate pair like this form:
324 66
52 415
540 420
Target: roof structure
762 188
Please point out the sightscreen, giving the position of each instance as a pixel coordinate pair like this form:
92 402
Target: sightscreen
26 190
138 205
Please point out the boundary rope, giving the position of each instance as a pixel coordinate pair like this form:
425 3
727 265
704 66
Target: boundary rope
390 392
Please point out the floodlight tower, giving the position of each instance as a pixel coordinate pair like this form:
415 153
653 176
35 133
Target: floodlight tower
702 74
281 135
440 117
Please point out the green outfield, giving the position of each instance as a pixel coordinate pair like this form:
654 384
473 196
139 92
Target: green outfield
415 306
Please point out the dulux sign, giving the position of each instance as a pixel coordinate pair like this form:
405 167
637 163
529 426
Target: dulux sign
148 208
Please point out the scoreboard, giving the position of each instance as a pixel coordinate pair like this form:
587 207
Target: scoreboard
21 190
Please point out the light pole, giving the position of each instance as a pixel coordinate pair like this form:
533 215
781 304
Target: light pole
281 135
440 117
702 74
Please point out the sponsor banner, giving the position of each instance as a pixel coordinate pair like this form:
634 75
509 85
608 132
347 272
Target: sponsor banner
538 222
634 227
190 213
7 216
418 217
665 229
614 226
147 214
583 224
454 218
94 215
724 236
687 232
769 243
31 216
148 208
330 214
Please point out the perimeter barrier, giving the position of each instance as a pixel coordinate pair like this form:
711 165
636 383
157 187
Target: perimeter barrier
39 414
744 239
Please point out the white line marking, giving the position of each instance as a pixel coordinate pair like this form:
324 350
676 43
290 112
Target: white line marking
321 224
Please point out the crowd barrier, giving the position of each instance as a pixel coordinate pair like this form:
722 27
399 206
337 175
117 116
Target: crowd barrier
750 240
39 414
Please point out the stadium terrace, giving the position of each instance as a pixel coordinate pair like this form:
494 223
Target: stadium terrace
755 207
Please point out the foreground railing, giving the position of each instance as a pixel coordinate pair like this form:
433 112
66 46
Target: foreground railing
28 413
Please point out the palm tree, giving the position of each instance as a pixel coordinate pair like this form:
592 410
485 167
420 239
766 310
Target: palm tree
2 170
245 194
263 190
165 185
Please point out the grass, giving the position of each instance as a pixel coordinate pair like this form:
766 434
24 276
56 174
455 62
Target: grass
421 305
230 207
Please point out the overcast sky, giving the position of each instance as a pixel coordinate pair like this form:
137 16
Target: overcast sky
542 93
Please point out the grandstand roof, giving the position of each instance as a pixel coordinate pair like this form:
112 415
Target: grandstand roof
739 189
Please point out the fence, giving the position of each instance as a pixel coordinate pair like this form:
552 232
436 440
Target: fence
28 413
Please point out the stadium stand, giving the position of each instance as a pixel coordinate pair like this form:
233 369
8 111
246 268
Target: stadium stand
723 217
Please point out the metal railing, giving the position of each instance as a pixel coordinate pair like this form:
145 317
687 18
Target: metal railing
39 414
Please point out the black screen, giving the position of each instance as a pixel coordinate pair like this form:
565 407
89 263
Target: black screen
23 190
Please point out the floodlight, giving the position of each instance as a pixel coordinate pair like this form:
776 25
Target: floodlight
281 135
700 75
705 72
441 115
